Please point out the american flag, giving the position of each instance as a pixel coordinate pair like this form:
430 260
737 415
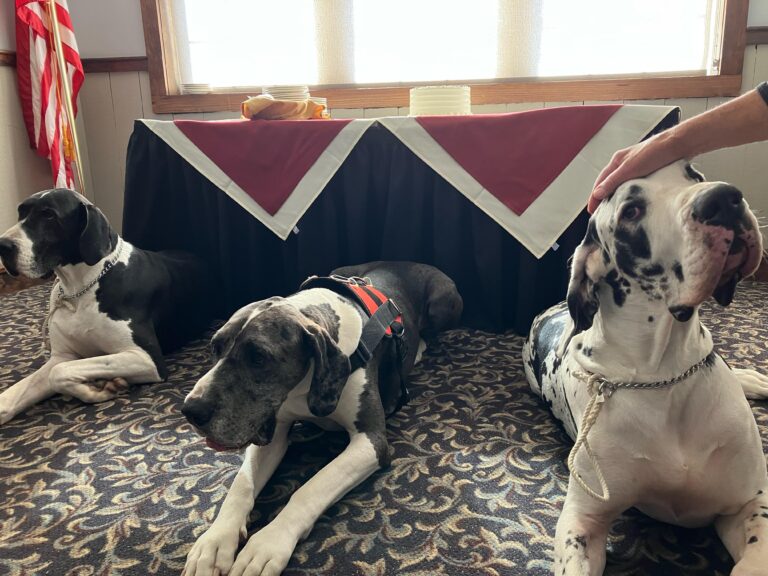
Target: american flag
40 87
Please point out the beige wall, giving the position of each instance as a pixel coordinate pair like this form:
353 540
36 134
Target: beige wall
21 171
111 102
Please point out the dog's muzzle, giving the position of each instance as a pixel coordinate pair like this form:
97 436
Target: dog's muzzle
8 255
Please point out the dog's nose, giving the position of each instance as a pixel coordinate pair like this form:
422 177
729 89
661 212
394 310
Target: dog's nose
199 411
721 205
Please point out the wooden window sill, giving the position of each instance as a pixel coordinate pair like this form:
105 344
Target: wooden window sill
487 93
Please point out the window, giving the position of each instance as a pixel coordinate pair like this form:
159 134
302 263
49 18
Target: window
511 47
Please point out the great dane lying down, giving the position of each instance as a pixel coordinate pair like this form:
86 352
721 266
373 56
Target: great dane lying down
113 306
287 359
628 362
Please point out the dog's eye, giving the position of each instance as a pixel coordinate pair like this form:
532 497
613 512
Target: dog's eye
631 212
48 214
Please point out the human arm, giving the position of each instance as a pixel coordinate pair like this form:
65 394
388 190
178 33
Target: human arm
740 121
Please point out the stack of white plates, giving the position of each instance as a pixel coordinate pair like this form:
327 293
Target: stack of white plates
440 100
196 88
295 93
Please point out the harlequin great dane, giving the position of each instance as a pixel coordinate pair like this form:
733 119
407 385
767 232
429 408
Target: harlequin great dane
113 307
660 420
287 359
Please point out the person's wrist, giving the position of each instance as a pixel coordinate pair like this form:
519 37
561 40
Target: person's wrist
679 144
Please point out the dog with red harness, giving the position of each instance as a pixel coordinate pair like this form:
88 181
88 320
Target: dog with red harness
337 353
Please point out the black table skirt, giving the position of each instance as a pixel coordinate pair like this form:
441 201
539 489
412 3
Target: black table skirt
384 203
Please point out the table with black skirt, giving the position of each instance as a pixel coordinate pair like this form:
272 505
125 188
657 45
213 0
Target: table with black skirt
383 203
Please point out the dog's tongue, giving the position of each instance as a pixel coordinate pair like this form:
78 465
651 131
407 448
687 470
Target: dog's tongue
218 447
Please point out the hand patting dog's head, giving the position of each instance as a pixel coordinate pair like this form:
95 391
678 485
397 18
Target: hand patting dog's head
263 352
55 228
671 238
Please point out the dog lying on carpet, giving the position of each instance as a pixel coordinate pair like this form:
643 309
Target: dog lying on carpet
113 307
298 358
660 421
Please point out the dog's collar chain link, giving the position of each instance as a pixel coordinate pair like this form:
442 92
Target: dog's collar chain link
606 388
107 267
601 389
62 297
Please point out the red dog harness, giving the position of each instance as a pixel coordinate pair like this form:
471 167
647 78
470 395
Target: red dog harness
385 320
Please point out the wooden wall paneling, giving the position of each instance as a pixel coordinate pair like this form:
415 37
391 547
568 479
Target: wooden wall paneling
748 73
85 155
146 100
522 106
689 107
761 65
124 64
105 161
127 105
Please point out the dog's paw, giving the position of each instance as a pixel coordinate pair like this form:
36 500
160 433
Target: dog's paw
99 390
754 384
214 551
266 554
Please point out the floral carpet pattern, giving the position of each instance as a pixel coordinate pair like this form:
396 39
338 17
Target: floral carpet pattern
476 484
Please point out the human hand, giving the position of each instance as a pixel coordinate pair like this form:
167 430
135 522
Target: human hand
635 162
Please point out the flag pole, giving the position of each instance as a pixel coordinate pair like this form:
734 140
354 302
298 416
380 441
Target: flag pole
67 92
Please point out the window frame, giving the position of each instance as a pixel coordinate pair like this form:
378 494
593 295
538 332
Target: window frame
166 97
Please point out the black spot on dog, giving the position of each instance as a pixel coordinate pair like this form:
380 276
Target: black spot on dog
634 190
653 270
581 540
764 514
752 540
578 346
650 318
587 351
619 292
631 244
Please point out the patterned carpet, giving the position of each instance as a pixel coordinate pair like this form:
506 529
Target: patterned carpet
476 484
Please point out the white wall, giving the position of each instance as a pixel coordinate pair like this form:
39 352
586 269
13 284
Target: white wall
7 27
758 13
104 28
22 172
108 28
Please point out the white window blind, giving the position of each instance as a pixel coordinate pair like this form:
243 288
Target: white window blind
231 44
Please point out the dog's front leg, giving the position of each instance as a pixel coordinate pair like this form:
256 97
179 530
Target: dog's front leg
28 391
745 535
103 377
214 552
268 551
581 534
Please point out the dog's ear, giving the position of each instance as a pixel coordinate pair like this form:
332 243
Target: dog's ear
725 292
587 269
331 370
96 237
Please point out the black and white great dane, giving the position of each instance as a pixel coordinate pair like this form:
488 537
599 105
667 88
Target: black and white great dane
286 359
113 307
627 360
